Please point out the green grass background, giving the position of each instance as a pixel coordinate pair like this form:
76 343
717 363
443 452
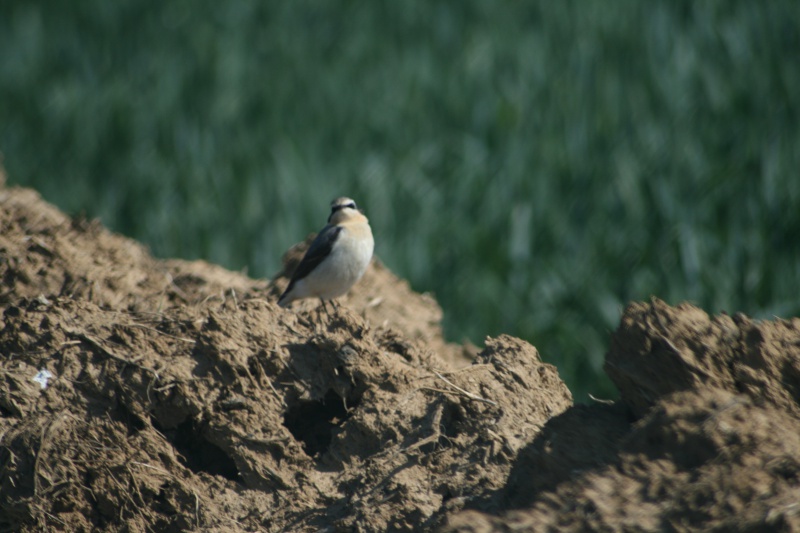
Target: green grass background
536 165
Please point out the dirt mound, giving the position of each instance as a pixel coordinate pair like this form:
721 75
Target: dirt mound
714 443
141 394
659 350
182 397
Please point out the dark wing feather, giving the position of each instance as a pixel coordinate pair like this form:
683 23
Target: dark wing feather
320 248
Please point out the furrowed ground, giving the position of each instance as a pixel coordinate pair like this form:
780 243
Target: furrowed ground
182 398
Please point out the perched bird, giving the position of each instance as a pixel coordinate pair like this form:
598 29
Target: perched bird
337 257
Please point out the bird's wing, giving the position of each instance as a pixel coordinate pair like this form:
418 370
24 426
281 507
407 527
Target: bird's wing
320 249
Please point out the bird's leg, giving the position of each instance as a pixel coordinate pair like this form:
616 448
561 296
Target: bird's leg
319 322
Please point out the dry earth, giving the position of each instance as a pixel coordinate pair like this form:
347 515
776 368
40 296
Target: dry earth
183 399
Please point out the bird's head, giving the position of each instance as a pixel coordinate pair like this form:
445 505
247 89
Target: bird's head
343 209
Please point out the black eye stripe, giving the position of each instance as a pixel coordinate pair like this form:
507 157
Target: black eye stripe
335 208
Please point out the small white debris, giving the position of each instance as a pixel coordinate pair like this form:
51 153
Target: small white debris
42 378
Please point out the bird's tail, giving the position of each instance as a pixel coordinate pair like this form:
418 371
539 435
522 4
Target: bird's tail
285 299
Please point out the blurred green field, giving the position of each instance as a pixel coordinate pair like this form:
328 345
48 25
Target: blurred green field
535 165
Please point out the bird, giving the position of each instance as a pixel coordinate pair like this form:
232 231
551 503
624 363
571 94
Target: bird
336 259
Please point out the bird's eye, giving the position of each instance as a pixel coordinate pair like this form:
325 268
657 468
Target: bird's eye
351 205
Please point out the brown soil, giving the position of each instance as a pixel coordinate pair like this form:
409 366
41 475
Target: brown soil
184 399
